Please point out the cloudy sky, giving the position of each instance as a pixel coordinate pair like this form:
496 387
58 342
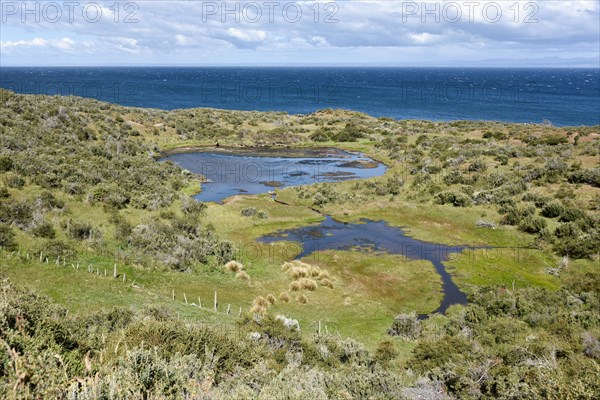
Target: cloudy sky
400 33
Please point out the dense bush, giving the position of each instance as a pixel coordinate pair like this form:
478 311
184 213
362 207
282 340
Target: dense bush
248 212
44 229
48 353
178 244
80 230
532 224
529 343
589 176
571 214
7 238
457 199
552 209
105 162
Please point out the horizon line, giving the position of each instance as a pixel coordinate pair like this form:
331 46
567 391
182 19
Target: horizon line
296 66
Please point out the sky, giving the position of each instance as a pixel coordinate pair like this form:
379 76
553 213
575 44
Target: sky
549 33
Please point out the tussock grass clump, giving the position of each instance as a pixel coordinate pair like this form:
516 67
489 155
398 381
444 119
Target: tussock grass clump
308 284
298 269
233 266
298 272
271 299
243 276
284 297
286 266
295 286
302 299
323 275
261 301
256 309
313 271
327 283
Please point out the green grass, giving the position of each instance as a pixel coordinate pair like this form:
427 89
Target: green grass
369 290
378 287
503 267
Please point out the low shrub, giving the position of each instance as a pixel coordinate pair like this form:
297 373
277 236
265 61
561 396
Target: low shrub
7 238
457 199
532 224
248 212
80 230
552 209
570 214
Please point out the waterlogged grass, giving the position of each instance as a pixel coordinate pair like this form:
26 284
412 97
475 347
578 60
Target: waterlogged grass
503 267
369 291
228 221
437 223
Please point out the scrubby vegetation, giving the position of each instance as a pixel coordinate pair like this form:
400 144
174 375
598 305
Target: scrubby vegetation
80 185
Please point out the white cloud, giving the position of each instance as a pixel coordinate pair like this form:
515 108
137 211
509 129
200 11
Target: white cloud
247 35
388 30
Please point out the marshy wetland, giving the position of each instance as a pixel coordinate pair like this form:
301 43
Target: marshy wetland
123 266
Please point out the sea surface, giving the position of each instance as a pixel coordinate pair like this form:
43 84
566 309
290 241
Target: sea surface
558 96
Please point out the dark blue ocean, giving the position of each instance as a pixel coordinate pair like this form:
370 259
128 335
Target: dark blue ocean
560 96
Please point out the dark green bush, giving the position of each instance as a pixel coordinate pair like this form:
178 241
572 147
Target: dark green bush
44 229
6 163
321 135
588 176
478 166
552 209
457 199
80 230
569 229
14 181
248 212
569 214
7 238
532 224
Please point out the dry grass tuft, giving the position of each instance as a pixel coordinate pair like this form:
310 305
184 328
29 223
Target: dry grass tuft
302 299
286 266
261 301
295 286
242 275
297 272
271 299
256 309
233 266
327 283
314 271
308 284
284 297
324 275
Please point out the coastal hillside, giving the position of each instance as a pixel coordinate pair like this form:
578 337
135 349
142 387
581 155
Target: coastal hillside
117 283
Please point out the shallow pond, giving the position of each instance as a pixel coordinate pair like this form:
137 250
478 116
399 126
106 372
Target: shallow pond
254 170
331 235
257 170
